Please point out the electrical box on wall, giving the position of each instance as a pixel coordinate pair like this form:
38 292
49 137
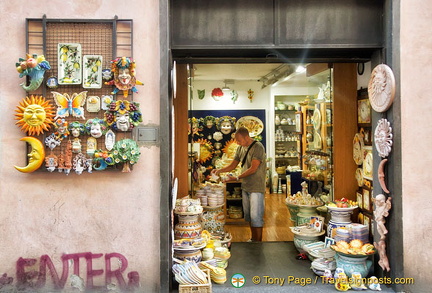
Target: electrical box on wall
147 134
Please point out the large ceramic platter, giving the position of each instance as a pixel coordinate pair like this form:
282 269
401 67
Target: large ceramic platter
358 145
316 119
92 71
381 88
354 255
69 63
252 123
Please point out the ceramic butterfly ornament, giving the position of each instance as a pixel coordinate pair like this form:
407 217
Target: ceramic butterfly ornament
70 105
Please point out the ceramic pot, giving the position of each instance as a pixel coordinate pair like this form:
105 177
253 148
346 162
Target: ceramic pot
338 219
207 253
353 264
191 255
293 210
188 227
213 220
300 240
304 214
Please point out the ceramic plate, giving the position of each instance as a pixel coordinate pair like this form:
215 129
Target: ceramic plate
252 123
358 146
69 63
316 119
354 255
342 209
92 71
381 88
359 177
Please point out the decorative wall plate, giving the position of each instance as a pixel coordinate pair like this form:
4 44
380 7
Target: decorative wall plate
383 138
364 111
69 63
368 164
359 177
317 141
358 146
92 71
316 119
252 123
381 88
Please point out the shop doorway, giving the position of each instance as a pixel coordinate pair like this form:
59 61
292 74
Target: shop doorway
279 94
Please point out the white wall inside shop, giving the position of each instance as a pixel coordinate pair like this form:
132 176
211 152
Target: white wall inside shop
104 212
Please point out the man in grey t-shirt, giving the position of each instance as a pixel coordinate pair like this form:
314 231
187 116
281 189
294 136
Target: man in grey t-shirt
252 155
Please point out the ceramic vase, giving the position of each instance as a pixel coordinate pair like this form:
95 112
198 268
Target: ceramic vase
188 227
304 214
338 219
293 210
353 264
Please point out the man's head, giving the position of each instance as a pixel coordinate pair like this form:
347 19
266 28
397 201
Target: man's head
242 136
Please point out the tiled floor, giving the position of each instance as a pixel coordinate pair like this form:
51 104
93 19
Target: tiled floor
275 260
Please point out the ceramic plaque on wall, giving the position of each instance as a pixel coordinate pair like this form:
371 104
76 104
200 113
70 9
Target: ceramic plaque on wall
383 138
92 71
106 101
93 104
69 63
381 88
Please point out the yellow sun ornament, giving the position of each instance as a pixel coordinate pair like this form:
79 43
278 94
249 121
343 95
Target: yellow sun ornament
34 115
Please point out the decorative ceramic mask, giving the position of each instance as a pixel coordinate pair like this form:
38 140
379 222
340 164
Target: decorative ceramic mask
33 66
70 106
226 124
96 127
34 115
123 115
76 129
62 130
209 121
35 157
124 76
195 126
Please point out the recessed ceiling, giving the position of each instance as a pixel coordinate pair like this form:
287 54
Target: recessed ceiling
251 72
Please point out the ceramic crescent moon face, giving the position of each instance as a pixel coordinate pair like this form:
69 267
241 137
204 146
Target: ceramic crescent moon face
36 155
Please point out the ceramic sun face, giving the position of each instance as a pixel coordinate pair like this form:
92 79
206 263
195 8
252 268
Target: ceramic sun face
34 115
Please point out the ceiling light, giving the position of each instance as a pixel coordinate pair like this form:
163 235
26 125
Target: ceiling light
300 69
227 88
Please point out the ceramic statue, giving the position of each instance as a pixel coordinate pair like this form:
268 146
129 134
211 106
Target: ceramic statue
34 66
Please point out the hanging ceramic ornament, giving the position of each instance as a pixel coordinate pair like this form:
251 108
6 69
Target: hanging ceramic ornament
68 158
383 138
126 151
201 94
109 140
52 82
70 106
102 160
93 104
79 163
36 155
62 129
69 63
34 66
34 115
234 96
51 141
107 74
76 145
51 162
250 95
381 88
76 128
217 94
96 127
92 72
91 146
106 100
124 76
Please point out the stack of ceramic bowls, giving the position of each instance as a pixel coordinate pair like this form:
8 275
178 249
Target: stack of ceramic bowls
222 254
212 199
217 275
360 232
342 234
237 192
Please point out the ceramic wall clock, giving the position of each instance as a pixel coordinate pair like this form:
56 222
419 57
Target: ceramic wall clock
69 63
92 72
381 88
364 111
383 138
368 164
358 146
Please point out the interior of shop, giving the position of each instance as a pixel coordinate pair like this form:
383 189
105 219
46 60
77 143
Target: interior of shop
314 121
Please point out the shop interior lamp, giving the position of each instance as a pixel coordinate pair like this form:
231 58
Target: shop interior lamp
226 88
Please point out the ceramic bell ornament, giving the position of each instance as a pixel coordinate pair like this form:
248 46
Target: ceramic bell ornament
124 76
34 115
34 66
123 115
96 127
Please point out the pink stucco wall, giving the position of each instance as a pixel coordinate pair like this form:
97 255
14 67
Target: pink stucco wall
105 212
416 76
